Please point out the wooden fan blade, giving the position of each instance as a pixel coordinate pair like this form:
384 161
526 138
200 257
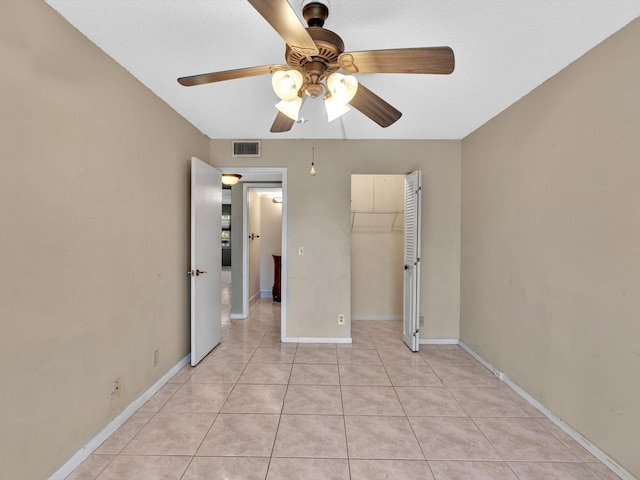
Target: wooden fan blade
374 107
227 75
438 60
280 15
281 124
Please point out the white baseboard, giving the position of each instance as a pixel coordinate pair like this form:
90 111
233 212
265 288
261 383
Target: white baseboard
237 316
266 294
439 341
253 299
355 316
591 448
82 454
489 366
316 340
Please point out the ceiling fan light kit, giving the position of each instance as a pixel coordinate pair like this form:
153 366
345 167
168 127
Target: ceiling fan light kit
342 87
335 108
286 84
290 108
314 55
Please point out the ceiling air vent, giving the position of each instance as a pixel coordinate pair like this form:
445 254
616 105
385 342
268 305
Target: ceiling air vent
245 149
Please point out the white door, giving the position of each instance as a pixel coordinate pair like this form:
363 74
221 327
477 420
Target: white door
412 201
206 259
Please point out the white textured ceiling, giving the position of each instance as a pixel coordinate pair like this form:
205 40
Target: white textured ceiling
503 49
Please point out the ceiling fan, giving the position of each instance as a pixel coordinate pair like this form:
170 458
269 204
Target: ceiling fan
315 55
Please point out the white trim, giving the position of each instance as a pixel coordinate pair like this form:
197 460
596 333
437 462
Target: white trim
316 340
283 259
236 316
285 229
590 447
247 302
439 341
254 298
375 317
266 294
488 365
82 454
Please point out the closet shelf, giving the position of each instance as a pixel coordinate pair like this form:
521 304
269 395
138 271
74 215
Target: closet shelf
377 220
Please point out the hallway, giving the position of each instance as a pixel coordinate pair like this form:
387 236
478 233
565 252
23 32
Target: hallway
373 410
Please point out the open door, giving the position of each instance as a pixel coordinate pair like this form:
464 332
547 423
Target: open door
206 259
412 202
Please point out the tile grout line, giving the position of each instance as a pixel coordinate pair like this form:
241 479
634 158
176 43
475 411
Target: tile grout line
477 427
344 417
408 420
267 328
275 437
214 418
221 406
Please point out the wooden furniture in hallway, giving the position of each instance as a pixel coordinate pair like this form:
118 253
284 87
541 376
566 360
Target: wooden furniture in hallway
276 278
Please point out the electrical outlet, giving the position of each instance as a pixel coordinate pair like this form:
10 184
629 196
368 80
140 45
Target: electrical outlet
301 251
341 318
421 321
115 387
156 358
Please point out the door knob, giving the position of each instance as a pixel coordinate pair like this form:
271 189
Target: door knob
195 273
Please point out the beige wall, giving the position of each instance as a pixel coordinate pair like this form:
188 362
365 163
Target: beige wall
270 240
319 220
94 230
550 244
377 246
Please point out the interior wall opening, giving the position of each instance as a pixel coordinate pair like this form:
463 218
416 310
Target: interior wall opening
377 247
261 186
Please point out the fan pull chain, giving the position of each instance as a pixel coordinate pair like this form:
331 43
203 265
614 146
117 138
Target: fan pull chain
313 172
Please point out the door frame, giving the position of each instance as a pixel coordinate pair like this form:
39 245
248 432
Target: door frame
271 174
245 238
419 246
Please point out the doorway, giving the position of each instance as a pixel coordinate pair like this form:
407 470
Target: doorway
262 239
385 251
255 178
377 243
225 280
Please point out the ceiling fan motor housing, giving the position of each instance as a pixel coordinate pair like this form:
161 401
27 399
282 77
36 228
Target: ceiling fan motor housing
315 13
329 45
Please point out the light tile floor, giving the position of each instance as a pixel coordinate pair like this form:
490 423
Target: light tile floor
258 409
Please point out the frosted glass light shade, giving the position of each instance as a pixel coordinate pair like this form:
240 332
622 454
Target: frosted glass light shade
342 87
334 109
230 178
290 108
286 84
